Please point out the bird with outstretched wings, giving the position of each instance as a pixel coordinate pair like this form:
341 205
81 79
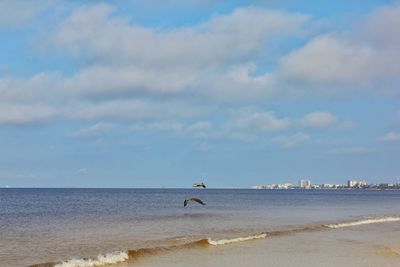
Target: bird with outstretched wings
198 200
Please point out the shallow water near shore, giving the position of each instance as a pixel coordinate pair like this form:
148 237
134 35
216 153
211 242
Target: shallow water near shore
150 227
364 246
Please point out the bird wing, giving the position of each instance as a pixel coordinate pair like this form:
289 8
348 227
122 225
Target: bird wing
198 200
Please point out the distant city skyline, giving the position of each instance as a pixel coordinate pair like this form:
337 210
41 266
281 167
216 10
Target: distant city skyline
168 93
350 184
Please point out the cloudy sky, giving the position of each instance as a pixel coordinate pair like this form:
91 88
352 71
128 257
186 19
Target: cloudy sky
166 93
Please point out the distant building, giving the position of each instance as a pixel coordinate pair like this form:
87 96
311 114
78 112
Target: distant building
285 186
362 183
356 184
305 184
274 186
268 186
351 183
315 186
327 186
265 186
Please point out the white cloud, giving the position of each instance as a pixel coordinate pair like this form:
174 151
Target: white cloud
378 28
134 110
243 124
110 110
259 121
145 66
330 59
199 129
36 88
14 13
353 59
205 59
240 82
94 130
216 59
17 114
160 126
319 120
391 137
116 80
94 31
291 140
131 72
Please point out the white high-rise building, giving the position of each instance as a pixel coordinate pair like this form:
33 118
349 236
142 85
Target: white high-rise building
362 183
351 183
306 184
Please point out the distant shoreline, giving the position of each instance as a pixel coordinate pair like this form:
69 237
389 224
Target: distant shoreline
202 189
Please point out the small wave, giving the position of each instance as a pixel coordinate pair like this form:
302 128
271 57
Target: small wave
361 222
136 253
101 260
122 256
235 240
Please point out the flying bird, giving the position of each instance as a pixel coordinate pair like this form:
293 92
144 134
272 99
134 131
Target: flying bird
198 200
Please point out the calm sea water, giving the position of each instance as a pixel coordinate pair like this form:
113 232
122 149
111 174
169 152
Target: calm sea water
53 225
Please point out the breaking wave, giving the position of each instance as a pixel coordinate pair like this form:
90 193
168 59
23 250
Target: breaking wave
122 256
101 260
235 240
361 222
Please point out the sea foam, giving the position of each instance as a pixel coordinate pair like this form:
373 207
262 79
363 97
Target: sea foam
361 222
101 260
235 240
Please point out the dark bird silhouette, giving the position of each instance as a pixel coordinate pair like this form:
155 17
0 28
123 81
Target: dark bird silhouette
198 200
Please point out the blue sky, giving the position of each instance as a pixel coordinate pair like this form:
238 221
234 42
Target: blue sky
167 93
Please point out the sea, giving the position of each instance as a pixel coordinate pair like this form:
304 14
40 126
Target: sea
235 227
